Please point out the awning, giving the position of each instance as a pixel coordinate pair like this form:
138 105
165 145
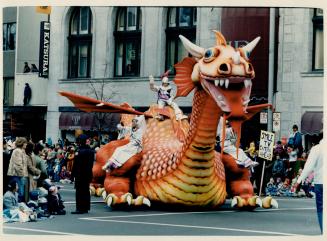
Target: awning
88 121
312 122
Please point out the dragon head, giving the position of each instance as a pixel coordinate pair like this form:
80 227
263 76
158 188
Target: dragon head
224 72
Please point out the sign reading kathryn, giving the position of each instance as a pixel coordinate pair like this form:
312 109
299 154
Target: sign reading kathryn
44 49
266 145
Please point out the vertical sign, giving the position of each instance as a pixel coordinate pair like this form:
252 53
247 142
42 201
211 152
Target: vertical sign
276 121
263 117
44 49
266 145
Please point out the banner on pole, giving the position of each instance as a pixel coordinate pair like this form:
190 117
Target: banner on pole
43 9
44 49
266 145
263 117
276 121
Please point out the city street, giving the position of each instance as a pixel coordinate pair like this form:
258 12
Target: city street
295 216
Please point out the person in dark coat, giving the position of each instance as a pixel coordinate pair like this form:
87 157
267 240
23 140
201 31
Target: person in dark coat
27 94
82 172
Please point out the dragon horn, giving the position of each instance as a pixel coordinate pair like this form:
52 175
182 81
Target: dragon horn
250 46
220 39
193 49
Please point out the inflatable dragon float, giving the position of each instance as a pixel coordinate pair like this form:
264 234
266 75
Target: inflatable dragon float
178 164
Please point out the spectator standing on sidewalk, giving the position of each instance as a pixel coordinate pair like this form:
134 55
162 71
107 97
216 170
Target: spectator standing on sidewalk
295 140
314 163
40 163
18 167
33 172
82 172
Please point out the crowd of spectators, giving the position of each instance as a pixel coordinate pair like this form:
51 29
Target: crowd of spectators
32 175
282 172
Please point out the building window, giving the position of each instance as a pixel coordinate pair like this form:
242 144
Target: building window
128 41
179 21
80 43
318 40
9 36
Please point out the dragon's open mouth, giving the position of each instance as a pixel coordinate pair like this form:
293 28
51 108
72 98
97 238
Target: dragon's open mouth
218 85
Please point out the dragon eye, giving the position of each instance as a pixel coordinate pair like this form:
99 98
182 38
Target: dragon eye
210 54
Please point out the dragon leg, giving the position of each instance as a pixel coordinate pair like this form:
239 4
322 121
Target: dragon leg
240 187
104 153
118 184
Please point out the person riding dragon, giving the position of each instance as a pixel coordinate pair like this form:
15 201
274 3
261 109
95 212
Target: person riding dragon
178 164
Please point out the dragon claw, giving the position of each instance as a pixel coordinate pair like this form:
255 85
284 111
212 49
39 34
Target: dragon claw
99 191
104 194
111 199
140 200
127 197
92 190
237 201
269 202
247 203
146 201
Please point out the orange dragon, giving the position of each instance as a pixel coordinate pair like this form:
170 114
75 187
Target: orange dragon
178 164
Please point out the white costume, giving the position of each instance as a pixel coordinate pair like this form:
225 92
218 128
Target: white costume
123 153
165 96
123 131
230 148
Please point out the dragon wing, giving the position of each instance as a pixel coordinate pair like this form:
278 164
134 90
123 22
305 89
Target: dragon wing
88 104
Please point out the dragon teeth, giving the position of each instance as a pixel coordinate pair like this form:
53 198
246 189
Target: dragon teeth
216 82
226 83
247 83
221 82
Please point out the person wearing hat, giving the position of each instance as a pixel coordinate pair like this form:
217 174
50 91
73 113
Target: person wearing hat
125 152
165 96
82 172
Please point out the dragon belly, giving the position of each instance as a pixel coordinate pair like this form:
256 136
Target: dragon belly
192 183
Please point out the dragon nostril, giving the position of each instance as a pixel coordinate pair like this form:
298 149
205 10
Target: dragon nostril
223 67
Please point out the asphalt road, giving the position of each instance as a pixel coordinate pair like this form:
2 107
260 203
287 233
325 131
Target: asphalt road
295 216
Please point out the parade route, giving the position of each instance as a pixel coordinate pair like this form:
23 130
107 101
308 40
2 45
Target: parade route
295 216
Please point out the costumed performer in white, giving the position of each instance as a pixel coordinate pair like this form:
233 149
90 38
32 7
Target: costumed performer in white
165 96
229 145
123 153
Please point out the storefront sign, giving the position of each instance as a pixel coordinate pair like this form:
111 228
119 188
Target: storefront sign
266 145
44 49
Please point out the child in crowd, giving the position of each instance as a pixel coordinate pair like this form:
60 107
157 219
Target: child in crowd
55 203
57 166
271 189
65 175
285 189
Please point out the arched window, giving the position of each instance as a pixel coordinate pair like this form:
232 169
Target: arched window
80 43
179 21
128 41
